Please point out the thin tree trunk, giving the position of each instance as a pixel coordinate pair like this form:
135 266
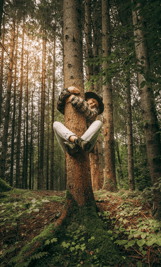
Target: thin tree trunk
7 109
1 73
26 115
47 150
31 147
120 173
151 125
109 153
52 121
100 161
38 140
1 13
24 155
20 111
95 175
42 113
89 68
130 140
14 111
78 168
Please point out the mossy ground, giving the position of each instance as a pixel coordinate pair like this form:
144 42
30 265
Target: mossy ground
123 232
4 187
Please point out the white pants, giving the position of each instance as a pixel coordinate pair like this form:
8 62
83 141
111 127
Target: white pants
62 133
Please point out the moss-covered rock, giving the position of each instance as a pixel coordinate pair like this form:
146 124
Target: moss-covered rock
4 187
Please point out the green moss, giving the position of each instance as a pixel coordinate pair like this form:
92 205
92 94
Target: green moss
4 187
81 240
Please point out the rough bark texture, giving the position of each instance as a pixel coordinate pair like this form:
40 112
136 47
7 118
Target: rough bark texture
120 173
52 130
26 115
89 68
1 13
109 154
31 174
7 108
47 148
1 73
130 141
78 168
14 112
151 128
42 114
94 159
20 112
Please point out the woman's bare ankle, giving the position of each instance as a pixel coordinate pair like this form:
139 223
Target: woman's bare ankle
72 138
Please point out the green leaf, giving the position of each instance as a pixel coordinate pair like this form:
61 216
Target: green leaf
121 242
130 244
158 241
142 84
141 242
54 240
151 241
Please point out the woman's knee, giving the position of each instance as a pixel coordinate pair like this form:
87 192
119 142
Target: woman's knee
56 124
98 123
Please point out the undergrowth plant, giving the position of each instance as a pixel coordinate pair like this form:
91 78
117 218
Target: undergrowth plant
130 226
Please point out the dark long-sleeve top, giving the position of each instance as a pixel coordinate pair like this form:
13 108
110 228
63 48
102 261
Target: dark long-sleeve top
79 103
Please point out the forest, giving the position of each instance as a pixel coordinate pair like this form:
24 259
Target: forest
102 208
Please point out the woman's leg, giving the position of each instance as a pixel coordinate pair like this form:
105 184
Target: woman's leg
62 134
92 133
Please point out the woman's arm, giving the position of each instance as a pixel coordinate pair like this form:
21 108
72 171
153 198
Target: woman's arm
82 106
64 95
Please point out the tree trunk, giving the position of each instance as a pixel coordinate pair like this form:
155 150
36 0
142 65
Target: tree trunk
89 68
42 113
1 74
31 147
26 115
109 153
24 155
130 140
89 72
1 13
78 168
120 173
52 121
47 150
38 140
151 125
19 116
7 109
14 111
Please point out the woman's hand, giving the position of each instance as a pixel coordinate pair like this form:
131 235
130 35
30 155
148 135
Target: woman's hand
74 90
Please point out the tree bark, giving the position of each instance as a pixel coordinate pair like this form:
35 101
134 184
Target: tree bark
130 140
52 130
31 147
78 168
7 109
1 13
20 111
95 175
42 113
14 111
109 153
1 74
151 125
47 149
88 37
26 116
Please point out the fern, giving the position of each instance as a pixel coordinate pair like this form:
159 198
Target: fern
39 255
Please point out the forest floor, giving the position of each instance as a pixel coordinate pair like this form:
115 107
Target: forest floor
127 215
